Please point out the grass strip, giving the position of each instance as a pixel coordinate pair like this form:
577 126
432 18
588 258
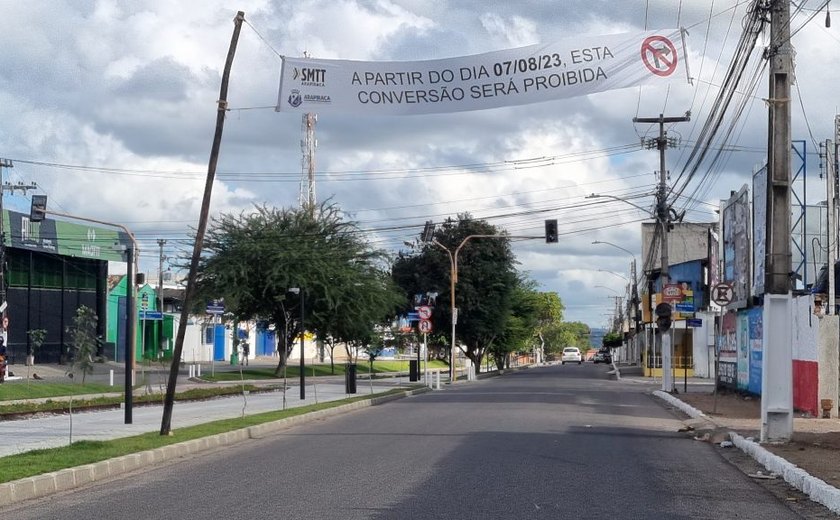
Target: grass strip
14 390
38 462
85 402
319 370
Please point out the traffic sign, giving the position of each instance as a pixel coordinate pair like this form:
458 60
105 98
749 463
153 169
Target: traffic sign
144 301
723 294
424 312
215 307
151 315
425 326
684 307
659 55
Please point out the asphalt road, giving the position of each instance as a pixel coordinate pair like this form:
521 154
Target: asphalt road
550 442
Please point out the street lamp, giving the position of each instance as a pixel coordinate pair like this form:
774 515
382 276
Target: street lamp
453 279
616 246
615 274
607 288
132 255
298 290
634 296
613 197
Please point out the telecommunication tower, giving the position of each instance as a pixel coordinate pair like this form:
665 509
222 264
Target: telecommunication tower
307 146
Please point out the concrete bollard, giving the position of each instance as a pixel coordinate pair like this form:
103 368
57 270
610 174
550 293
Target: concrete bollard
198 370
111 377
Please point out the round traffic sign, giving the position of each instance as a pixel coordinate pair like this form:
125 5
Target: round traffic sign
659 55
425 326
722 294
424 312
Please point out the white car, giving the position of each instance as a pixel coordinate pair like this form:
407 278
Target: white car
571 355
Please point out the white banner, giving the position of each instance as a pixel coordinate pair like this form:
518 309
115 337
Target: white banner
543 72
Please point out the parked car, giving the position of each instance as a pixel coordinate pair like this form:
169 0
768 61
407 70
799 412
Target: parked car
571 355
603 356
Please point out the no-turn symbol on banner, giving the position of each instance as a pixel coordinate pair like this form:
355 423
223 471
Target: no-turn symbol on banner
659 55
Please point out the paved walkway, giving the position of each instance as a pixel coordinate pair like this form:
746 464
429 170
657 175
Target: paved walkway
55 430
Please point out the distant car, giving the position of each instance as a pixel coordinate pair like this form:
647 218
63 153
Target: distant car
603 356
571 355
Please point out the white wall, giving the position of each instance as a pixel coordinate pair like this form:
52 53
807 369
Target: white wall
703 341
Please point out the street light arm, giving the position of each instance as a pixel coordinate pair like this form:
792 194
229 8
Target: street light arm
607 288
615 274
613 197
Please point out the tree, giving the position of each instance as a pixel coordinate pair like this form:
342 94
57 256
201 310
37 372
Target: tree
521 324
252 259
85 341
485 282
549 314
567 334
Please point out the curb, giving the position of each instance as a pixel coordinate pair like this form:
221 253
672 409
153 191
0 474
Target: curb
70 478
817 489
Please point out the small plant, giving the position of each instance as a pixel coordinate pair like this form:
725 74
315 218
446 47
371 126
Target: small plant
85 341
36 339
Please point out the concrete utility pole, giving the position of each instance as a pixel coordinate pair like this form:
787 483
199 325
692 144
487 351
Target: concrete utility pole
663 219
4 187
161 242
777 372
4 163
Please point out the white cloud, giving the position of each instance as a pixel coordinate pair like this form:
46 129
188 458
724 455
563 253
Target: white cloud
136 89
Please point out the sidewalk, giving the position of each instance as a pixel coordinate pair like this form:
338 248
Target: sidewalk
815 447
54 430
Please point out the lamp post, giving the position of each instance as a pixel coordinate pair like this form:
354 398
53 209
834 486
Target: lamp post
635 291
298 290
132 254
453 279
614 274
605 287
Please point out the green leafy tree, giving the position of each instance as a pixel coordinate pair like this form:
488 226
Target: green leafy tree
566 334
549 314
85 341
521 324
253 259
486 278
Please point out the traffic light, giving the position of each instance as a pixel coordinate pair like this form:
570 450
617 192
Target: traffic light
551 231
428 232
663 316
38 209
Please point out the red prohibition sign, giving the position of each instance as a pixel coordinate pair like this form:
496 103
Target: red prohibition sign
659 55
425 326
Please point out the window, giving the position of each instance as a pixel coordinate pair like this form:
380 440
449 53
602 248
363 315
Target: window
209 334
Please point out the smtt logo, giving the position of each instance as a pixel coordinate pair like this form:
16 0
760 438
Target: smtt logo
295 98
310 77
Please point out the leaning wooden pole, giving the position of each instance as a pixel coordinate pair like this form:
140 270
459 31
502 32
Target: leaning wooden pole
166 421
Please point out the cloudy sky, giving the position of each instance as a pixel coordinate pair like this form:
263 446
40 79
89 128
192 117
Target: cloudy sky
110 107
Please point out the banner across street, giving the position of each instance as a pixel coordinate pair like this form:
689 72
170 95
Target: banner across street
536 73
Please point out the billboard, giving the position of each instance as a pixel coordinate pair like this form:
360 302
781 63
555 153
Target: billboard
735 215
759 229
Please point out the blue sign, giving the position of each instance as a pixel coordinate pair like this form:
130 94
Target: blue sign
684 307
215 307
151 315
694 322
